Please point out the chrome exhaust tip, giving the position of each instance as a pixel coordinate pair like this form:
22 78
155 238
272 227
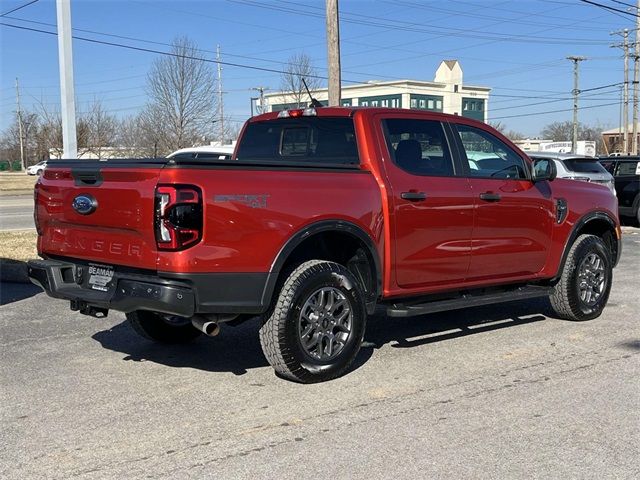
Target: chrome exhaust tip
205 325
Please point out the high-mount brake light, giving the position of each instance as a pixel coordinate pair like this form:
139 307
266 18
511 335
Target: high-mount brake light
299 112
178 221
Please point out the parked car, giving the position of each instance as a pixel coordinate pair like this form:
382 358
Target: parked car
37 169
578 167
206 152
322 216
626 174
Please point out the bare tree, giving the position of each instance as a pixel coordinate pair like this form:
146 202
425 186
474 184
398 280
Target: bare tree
510 134
137 136
101 129
559 131
563 132
181 90
49 133
10 144
299 67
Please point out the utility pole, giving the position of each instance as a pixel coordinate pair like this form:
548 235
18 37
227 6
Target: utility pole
624 121
333 52
576 92
220 98
65 62
261 90
636 67
625 93
20 132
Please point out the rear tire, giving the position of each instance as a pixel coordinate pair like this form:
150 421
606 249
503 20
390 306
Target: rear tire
585 283
163 328
316 327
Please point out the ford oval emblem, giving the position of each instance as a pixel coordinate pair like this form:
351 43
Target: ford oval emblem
84 204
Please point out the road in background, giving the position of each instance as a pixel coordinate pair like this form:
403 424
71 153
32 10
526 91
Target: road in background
501 391
16 212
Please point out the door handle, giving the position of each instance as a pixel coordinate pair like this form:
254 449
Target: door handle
490 197
413 196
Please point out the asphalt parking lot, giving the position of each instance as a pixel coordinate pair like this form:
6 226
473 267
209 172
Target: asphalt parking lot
502 391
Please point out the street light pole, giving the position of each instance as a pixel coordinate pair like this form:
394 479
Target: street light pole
65 62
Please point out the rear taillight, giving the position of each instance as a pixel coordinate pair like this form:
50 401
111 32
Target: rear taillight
36 220
178 219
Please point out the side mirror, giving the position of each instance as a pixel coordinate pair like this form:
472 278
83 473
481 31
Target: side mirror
544 169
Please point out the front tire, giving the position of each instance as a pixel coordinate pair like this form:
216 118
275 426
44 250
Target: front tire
585 283
317 325
163 328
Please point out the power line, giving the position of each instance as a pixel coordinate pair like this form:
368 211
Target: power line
623 3
606 7
19 8
226 54
554 111
416 27
160 52
459 13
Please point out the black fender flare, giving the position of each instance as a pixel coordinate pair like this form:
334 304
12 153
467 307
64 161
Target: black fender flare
575 231
314 229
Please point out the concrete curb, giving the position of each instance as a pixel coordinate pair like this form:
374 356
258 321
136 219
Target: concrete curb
13 272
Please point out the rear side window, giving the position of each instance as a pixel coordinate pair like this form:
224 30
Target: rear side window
628 168
490 157
583 165
419 147
318 140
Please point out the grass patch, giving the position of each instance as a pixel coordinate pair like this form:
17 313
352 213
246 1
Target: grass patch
16 183
18 246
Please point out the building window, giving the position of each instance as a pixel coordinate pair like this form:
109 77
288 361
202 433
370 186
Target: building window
455 88
473 108
426 102
346 102
382 101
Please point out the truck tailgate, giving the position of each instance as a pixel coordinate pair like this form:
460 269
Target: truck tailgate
119 230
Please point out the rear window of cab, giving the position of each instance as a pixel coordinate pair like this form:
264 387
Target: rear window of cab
315 140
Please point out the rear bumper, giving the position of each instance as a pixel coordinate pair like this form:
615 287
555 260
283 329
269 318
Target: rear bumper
171 293
126 292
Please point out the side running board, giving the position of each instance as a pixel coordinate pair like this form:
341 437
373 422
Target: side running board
466 300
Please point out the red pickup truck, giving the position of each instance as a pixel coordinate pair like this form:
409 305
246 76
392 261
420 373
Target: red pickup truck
322 216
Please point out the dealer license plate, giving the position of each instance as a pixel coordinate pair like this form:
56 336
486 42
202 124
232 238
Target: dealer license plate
100 276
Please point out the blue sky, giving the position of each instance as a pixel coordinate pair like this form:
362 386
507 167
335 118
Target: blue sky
516 47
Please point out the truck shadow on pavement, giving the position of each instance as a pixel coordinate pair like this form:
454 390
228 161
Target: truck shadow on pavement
237 349
14 292
438 327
